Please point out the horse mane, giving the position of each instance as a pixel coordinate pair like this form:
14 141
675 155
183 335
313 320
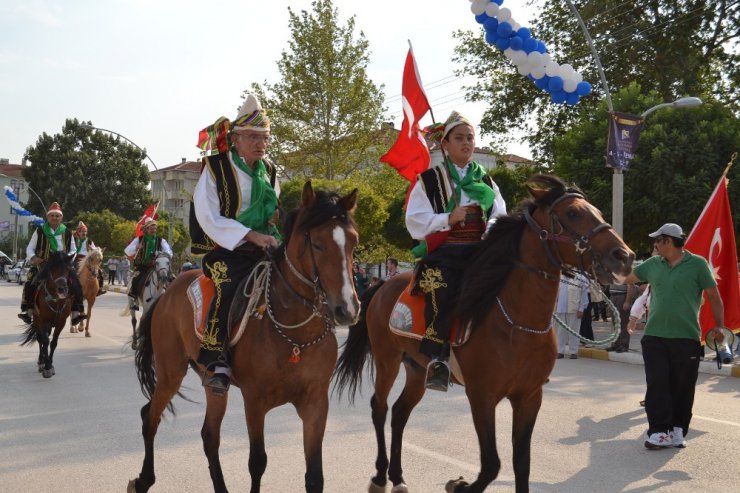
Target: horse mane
325 207
55 261
495 256
88 259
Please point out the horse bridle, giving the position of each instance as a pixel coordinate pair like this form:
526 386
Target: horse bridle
50 298
582 243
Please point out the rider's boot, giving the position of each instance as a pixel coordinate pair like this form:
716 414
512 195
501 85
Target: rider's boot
220 380
25 314
77 314
132 303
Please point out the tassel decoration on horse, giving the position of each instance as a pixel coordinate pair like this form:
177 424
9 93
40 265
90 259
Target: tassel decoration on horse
296 356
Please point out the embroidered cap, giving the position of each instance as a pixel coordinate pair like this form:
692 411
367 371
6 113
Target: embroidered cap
251 116
55 208
81 227
669 229
149 221
439 131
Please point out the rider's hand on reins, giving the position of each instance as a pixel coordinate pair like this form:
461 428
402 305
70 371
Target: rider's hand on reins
457 216
261 240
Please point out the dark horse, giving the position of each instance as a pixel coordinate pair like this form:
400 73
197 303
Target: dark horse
507 296
286 356
53 304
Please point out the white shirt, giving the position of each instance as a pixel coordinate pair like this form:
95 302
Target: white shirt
572 295
130 250
31 248
226 232
421 220
83 248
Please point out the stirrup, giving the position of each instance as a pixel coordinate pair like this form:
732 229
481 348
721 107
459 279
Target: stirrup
438 375
26 317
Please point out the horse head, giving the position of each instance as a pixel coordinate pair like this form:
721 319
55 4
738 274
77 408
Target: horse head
94 258
574 234
54 276
323 259
162 268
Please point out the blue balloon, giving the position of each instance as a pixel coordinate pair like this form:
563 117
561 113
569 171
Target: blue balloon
583 88
491 37
529 76
555 85
481 18
558 97
491 25
541 47
530 45
516 43
498 2
572 98
542 83
504 29
502 43
524 33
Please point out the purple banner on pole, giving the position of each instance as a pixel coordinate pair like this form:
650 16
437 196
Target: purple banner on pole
4 225
624 130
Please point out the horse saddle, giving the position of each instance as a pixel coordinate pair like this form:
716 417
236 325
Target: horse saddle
201 294
407 318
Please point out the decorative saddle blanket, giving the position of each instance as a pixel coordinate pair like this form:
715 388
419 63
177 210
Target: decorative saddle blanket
200 294
407 318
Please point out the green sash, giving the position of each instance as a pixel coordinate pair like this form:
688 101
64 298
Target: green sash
263 201
51 235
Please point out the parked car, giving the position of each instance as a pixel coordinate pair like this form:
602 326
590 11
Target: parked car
18 272
5 264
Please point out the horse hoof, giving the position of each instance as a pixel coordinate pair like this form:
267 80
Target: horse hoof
374 488
72 330
452 485
131 486
400 488
41 368
87 334
46 373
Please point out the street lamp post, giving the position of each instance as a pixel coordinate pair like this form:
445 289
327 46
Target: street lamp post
164 198
618 177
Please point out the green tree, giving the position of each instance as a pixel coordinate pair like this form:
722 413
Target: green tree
325 110
99 226
679 159
512 182
85 170
121 236
672 47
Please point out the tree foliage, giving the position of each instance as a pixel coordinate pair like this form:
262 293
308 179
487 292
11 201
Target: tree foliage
325 110
672 48
100 226
85 170
680 157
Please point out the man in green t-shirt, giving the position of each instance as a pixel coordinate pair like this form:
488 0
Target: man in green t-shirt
671 345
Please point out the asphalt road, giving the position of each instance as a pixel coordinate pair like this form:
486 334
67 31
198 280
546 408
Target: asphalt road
80 430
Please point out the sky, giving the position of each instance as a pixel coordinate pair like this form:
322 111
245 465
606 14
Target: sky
158 71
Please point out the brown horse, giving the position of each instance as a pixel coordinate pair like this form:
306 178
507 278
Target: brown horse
507 298
87 271
285 356
52 307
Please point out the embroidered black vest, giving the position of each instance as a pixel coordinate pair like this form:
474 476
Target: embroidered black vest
227 186
43 247
139 257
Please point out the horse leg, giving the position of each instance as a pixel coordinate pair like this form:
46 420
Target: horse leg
90 304
525 415
412 393
386 373
255 415
134 343
313 409
43 341
211 435
53 347
483 409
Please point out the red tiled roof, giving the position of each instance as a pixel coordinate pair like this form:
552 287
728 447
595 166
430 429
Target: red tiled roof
186 166
12 170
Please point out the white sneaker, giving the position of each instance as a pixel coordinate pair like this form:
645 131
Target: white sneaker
677 439
658 440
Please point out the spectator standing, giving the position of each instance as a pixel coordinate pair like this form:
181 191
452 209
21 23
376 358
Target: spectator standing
671 344
570 306
598 305
361 279
112 268
124 268
391 266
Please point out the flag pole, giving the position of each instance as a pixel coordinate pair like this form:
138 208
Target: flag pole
729 164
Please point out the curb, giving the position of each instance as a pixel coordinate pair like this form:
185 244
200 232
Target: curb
633 358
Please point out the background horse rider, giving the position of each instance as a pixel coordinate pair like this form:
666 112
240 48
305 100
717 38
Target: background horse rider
235 205
83 244
144 250
52 236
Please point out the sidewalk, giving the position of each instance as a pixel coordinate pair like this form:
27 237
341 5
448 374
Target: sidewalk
634 356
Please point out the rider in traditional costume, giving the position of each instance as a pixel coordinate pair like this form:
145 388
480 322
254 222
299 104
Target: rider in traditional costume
83 243
52 236
144 250
449 209
232 221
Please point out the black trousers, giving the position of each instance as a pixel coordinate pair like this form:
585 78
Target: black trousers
31 285
438 276
587 329
226 269
671 370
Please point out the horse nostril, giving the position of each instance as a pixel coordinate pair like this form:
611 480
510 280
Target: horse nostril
340 313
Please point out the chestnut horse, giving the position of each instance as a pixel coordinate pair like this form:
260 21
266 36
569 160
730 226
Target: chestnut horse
52 305
87 271
507 298
285 356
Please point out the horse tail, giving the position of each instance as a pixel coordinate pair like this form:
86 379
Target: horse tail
144 357
30 335
356 349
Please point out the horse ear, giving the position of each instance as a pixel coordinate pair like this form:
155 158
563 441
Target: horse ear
538 188
308 195
349 201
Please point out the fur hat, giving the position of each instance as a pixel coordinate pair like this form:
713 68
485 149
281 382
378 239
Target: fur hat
251 116
55 207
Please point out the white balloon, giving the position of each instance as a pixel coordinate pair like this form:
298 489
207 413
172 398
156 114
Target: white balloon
579 78
504 15
492 9
546 58
552 69
508 53
534 59
567 71
519 58
523 70
569 85
538 72
478 6
515 25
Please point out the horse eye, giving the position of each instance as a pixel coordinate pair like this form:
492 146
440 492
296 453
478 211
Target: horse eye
572 214
317 247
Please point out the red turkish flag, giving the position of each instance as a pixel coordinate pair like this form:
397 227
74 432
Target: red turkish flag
410 154
151 211
713 237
